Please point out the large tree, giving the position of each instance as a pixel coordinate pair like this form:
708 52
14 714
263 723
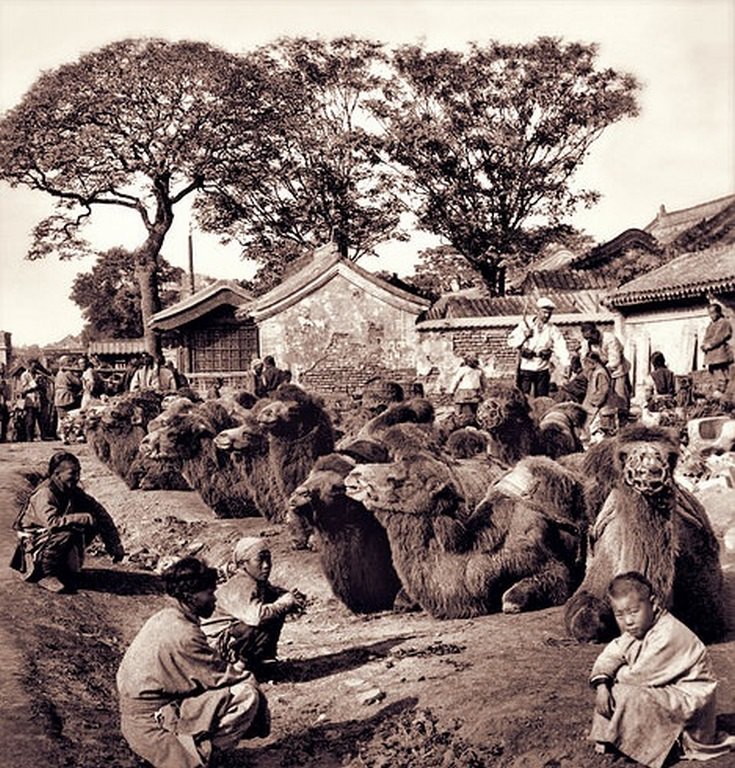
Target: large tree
138 125
491 139
109 295
319 175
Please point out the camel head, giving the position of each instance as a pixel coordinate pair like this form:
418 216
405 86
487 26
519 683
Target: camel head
646 458
292 413
503 405
248 438
418 485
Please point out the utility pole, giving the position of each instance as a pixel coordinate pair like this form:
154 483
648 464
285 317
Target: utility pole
191 260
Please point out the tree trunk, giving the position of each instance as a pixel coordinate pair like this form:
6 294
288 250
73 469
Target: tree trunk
146 272
147 276
489 272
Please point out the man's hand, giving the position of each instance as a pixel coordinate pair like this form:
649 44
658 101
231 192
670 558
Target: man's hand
604 702
528 354
545 354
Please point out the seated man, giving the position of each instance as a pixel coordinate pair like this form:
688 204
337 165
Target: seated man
179 702
57 524
251 610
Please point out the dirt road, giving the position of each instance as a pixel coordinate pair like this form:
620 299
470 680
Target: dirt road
398 690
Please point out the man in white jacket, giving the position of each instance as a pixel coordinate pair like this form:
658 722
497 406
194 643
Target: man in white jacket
536 341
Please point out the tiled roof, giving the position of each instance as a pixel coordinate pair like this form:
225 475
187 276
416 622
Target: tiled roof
606 252
325 263
690 275
116 347
668 225
452 305
222 292
563 280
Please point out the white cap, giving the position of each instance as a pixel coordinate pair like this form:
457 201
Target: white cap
246 547
544 303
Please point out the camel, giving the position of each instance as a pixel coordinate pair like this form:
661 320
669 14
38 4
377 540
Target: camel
559 428
353 547
299 431
505 415
276 443
519 550
641 520
115 430
248 445
188 441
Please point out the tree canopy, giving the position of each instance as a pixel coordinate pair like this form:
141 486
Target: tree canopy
318 175
109 295
305 141
492 138
137 125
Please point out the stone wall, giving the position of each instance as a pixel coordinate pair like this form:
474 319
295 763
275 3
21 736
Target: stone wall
341 335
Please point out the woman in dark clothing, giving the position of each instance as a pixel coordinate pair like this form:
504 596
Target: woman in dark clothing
663 379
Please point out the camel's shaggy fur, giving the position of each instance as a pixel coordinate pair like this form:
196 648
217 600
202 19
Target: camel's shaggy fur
559 428
648 524
344 528
506 415
299 431
249 447
188 440
115 431
519 550
353 546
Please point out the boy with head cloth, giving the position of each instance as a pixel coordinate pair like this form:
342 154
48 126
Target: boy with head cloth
250 610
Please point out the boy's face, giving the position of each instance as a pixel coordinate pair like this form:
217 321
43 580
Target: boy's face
258 565
635 614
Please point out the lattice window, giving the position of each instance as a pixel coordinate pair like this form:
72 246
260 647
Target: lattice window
226 348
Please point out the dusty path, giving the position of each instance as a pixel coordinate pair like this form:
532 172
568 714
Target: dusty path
24 730
388 690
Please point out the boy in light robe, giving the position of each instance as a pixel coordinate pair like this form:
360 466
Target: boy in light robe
655 690
179 702
250 610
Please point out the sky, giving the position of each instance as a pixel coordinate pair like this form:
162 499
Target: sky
679 152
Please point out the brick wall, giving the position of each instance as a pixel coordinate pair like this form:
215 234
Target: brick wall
339 337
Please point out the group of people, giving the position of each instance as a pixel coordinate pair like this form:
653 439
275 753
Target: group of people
597 377
596 373
188 683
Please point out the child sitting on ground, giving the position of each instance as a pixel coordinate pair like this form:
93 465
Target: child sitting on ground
655 691
250 610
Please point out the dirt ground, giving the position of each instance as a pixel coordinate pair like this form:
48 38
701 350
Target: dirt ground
385 690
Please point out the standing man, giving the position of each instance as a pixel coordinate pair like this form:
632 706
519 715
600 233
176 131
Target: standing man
31 394
67 392
536 341
179 702
610 351
718 355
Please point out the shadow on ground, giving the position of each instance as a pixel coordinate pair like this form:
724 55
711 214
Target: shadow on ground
118 582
